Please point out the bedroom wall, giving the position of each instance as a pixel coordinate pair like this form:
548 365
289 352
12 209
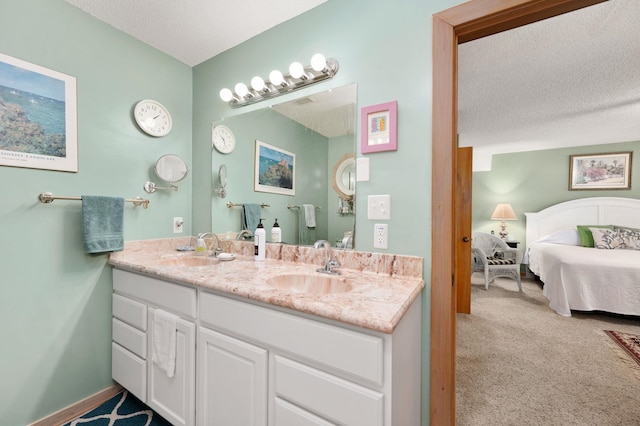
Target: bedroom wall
535 180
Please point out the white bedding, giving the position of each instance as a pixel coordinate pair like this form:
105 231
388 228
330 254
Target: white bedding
587 279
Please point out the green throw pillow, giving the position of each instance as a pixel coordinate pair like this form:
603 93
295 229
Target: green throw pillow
586 236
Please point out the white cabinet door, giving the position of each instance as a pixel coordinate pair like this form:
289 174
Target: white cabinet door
174 397
232 381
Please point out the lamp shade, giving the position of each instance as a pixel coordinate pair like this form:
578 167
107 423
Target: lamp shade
504 212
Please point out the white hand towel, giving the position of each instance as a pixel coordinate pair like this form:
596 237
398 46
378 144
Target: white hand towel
164 341
309 215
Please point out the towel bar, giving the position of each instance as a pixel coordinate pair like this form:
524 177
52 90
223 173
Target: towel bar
47 198
230 204
289 206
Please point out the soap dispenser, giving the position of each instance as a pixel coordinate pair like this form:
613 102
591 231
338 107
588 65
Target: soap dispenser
259 242
201 247
276 233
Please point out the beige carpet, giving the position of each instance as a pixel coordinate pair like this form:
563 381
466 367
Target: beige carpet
520 363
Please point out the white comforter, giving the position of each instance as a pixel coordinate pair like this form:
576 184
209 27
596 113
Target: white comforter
587 279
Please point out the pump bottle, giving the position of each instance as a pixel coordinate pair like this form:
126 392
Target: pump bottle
259 242
276 233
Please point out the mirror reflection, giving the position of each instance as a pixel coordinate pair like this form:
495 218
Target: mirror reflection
319 129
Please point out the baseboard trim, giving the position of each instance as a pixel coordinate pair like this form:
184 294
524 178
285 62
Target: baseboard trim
71 412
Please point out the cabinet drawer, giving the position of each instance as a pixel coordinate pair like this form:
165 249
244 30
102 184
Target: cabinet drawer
287 414
355 354
129 370
175 298
130 338
333 398
132 312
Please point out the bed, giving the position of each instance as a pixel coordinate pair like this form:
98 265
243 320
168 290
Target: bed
584 278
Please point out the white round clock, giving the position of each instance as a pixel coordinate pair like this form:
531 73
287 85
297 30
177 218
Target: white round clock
152 117
222 139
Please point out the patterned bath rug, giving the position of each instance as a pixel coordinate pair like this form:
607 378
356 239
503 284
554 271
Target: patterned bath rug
123 409
629 345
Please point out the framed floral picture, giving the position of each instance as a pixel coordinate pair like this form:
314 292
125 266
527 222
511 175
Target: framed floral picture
274 170
600 171
379 125
38 117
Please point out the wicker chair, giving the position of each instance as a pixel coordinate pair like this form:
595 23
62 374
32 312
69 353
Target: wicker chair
493 256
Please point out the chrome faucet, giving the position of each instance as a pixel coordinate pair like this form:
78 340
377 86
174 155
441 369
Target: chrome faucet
331 263
218 247
244 235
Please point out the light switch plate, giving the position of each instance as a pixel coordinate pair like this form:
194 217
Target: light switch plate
362 170
379 207
178 222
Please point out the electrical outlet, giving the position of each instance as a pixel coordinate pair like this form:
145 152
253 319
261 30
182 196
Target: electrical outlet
381 235
177 225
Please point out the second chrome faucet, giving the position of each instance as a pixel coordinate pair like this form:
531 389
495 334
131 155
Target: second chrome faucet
330 263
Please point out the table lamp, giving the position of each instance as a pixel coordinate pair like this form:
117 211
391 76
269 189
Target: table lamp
504 212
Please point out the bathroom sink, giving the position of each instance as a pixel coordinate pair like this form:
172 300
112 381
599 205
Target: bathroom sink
310 284
188 261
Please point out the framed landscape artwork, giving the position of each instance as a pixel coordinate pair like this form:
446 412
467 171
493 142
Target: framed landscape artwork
274 170
38 117
600 171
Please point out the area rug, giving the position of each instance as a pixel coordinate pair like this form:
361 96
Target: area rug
123 409
628 344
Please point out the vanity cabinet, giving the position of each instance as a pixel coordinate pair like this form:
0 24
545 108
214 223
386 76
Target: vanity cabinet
135 299
265 365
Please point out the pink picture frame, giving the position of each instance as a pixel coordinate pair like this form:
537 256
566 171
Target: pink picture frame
379 127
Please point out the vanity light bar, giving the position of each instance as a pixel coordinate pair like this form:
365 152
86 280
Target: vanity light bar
278 84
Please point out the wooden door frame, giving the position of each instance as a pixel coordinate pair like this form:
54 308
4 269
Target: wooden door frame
466 22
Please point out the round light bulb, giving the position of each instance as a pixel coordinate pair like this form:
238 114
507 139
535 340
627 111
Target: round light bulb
242 89
257 83
296 70
276 78
318 62
226 95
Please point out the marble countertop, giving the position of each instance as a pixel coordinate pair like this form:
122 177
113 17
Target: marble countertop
382 286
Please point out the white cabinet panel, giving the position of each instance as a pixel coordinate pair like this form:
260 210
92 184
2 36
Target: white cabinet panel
130 338
132 312
129 370
336 399
174 397
287 414
232 381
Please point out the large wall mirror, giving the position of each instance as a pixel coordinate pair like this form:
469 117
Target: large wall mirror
319 129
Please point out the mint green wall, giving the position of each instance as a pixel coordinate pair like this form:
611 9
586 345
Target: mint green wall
385 48
532 181
55 308
274 129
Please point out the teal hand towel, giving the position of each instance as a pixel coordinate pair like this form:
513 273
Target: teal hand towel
250 216
102 219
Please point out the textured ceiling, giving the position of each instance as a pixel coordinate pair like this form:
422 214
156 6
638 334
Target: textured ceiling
193 31
567 81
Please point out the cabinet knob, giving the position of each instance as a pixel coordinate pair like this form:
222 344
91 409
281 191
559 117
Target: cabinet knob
465 239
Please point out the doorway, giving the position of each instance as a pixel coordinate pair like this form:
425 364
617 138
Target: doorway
460 24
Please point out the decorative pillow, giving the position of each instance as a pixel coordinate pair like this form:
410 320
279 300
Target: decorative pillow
569 237
607 238
585 233
616 227
630 237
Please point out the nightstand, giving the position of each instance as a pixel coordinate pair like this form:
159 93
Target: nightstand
513 244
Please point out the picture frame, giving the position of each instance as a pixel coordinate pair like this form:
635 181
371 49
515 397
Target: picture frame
274 170
610 170
379 127
45 133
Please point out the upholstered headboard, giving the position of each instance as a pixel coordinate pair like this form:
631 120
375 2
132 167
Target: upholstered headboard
585 211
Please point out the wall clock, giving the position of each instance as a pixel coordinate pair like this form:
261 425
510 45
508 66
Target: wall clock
223 139
152 117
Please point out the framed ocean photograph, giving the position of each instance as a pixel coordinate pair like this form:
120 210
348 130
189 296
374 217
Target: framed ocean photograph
38 117
274 170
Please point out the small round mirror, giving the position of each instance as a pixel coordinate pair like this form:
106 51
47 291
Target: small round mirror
344 176
222 176
171 168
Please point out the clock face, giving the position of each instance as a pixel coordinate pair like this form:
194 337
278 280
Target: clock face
153 118
222 139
